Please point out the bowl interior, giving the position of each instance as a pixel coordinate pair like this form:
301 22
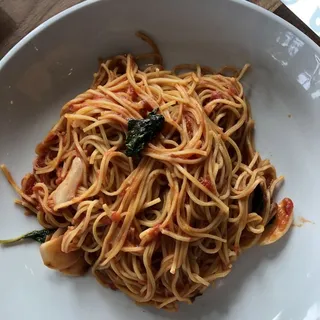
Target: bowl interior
57 61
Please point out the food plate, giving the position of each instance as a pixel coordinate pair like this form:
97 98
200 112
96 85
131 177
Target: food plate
56 61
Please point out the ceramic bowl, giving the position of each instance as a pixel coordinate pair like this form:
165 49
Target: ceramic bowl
56 61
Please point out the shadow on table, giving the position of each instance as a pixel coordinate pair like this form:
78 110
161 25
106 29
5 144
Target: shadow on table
7 25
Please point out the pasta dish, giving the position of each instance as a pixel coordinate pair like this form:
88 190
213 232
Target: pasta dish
151 179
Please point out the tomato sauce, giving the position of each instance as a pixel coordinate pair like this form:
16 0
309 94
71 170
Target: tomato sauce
115 216
206 182
285 210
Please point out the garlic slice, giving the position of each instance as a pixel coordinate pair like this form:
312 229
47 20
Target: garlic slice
71 263
68 187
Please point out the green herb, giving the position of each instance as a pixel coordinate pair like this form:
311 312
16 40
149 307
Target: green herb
140 132
37 235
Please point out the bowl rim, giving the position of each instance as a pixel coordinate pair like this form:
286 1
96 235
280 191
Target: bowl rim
76 7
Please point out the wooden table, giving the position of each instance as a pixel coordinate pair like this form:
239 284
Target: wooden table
19 17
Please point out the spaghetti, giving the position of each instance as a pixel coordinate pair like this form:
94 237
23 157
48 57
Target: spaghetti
164 225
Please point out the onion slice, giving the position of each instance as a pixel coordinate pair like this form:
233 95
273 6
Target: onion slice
68 188
71 263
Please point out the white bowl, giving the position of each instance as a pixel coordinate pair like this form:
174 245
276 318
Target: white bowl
57 60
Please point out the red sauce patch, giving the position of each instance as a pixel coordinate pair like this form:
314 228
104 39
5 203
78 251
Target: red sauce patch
232 91
154 231
288 205
74 107
216 95
123 192
115 216
52 154
285 209
39 162
41 148
206 182
132 93
143 113
59 177
146 105
28 183
189 125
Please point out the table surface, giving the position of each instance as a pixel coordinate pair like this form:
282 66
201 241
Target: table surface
19 17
